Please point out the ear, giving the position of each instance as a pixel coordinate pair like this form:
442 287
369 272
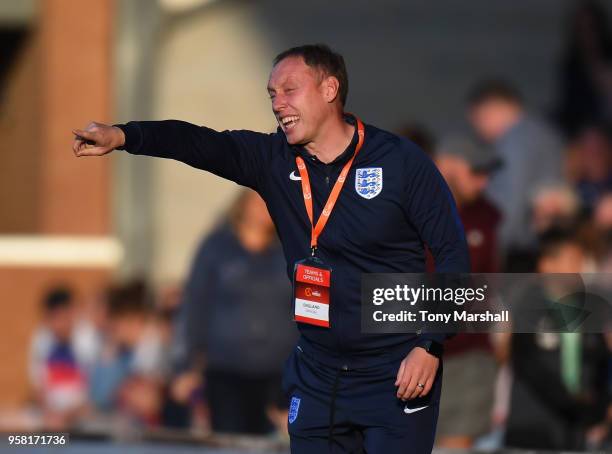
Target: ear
331 88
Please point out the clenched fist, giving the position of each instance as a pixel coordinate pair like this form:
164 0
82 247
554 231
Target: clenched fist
97 139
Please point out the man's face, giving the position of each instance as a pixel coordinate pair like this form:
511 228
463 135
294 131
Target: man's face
489 118
299 99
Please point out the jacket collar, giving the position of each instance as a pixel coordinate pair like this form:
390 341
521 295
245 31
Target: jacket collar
299 150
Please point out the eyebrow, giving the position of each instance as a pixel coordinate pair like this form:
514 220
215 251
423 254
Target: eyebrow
288 80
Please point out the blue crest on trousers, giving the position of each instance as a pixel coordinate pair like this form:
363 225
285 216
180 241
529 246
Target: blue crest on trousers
369 181
294 408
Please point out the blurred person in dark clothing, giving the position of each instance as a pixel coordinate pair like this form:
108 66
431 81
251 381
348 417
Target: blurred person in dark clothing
586 69
559 390
57 374
590 164
469 366
467 166
238 279
531 152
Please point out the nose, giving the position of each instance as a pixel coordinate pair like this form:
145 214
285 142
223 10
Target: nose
278 103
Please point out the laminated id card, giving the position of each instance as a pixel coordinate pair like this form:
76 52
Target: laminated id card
311 283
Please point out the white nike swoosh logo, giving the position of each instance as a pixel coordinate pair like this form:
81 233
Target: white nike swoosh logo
413 410
294 177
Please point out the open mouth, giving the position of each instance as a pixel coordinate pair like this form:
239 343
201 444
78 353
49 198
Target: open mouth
289 121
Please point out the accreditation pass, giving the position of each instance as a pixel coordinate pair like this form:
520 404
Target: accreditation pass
311 285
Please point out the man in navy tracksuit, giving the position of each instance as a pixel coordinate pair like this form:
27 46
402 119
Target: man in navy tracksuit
383 199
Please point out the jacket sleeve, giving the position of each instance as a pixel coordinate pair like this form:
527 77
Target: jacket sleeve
239 156
431 209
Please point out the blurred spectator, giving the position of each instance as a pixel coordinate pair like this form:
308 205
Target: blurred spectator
554 205
531 152
129 372
467 166
168 321
469 365
559 390
590 164
586 69
420 136
238 319
56 373
90 326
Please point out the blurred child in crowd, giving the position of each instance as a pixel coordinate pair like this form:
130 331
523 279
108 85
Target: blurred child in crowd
57 374
130 370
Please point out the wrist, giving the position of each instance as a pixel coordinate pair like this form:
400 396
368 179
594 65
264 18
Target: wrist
432 347
120 137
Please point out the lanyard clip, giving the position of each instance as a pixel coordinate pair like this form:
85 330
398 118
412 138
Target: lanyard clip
313 250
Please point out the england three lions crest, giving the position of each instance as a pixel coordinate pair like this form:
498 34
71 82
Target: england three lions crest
369 182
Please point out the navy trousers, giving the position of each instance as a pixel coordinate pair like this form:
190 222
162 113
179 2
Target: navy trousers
355 411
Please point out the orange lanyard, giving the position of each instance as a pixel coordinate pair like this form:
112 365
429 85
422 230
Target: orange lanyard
333 196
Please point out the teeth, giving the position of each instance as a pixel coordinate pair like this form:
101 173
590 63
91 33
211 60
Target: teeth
287 120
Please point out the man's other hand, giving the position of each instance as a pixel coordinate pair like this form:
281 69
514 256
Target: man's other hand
419 366
97 139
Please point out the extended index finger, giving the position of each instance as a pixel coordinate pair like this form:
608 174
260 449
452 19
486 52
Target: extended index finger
84 134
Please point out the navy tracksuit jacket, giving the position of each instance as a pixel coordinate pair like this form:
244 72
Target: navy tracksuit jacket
382 234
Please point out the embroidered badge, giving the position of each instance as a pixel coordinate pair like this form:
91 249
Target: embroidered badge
369 182
294 408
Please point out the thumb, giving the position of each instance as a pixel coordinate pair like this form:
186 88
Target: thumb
92 151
